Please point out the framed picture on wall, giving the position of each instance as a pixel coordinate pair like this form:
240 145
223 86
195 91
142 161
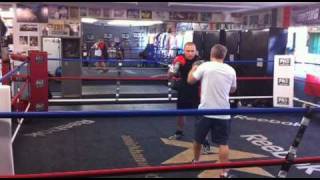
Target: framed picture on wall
136 34
83 12
160 15
74 29
119 13
125 36
94 12
23 40
107 13
146 14
107 36
34 41
58 12
29 27
74 13
133 13
90 37
206 16
32 13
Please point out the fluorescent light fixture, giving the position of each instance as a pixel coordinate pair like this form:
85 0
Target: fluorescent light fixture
7 14
133 23
88 20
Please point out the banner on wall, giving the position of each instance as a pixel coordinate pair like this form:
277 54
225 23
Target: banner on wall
58 12
120 13
106 13
306 15
83 12
189 16
133 13
205 16
160 15
31 27
74 13
145 14
32 13
94 12
283 81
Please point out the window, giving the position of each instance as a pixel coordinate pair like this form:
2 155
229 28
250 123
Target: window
314 43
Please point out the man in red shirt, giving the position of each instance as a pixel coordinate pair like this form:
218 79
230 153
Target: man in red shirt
99 54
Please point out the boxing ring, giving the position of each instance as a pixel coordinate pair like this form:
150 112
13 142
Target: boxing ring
22 103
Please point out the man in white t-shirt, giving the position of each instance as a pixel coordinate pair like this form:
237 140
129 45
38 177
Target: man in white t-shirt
217 81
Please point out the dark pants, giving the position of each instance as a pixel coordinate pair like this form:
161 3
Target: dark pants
220 130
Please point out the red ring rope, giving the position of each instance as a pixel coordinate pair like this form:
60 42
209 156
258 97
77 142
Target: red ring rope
19 57
19 77
153 169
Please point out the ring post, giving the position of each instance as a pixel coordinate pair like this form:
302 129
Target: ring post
6 154
38 80
292 153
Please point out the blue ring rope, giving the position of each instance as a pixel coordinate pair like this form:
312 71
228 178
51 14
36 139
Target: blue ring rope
9 74
135 113
137 60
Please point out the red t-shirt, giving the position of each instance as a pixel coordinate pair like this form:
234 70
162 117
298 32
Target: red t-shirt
101 45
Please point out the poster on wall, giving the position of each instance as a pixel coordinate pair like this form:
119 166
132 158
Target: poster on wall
245 20
283 81
90 37
74 29
83 12
23 40
94 12
306 15
146 14
136 35
45 30
119 13
107 36
34 13
58 28
107 13
160 15
74 13
200 26
58 12
190 16
125 36
34 42
133 13
28 27
205 16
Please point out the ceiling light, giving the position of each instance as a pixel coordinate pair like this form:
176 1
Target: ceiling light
88 20
133 23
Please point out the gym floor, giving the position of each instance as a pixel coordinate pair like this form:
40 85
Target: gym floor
57 145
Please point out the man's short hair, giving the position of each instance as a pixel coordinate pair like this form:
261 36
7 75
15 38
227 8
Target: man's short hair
189 44
218 51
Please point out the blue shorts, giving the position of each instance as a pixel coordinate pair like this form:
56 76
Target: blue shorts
220 130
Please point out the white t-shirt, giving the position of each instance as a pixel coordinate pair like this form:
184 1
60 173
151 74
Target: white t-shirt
216 82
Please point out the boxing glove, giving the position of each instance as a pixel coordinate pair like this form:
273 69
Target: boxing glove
179 59
177 62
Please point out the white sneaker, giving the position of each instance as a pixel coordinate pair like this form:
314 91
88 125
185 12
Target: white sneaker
205 150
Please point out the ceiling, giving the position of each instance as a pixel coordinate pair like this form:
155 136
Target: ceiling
231 7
